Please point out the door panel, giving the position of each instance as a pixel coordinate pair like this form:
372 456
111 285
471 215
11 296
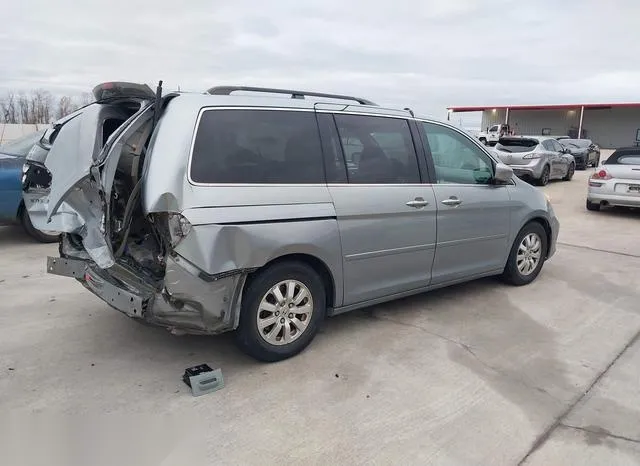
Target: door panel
472 235
473 214
387 246
386 216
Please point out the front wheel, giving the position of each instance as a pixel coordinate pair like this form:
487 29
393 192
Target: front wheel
527 255
42 236
281 311
570 171
544 178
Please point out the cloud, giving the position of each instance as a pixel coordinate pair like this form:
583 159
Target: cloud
426 54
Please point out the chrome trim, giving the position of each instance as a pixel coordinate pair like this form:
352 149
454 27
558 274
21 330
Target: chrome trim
381 115
280 109
470 240
227 107
463 133
389 252
334 112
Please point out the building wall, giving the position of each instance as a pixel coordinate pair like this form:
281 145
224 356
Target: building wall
609 128
531 122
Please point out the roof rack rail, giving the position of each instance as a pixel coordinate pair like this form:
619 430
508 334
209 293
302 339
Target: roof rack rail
227 90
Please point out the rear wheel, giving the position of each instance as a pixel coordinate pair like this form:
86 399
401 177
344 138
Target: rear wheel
570 171
282 309
527 255
593 206
544 178
42 236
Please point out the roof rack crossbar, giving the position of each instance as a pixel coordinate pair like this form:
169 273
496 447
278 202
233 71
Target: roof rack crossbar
227 90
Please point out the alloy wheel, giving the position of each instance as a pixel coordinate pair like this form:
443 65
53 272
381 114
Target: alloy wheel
284 312
529 254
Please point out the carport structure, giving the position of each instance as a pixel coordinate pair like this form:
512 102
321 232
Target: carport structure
610 125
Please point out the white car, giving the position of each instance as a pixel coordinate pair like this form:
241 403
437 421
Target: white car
617 182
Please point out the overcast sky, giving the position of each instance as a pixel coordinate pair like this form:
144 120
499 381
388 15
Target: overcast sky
425 54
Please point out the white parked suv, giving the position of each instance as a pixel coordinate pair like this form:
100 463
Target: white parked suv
491 135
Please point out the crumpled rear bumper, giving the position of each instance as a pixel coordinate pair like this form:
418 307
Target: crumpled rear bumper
186 301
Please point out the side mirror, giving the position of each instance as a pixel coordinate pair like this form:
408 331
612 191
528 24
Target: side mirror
503 173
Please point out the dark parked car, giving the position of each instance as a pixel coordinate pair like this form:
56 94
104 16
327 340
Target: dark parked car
584 151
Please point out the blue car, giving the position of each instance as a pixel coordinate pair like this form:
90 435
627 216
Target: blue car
12 158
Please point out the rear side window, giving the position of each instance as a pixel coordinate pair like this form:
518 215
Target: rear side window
628 157
516 145
378 150
257 146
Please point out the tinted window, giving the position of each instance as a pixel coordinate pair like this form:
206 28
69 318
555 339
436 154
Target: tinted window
629 160
378 150
556 146
456 158
516 145
624 157
493 128
547 145
257 146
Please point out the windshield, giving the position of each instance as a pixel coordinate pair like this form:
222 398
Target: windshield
516 144
576 143
21 146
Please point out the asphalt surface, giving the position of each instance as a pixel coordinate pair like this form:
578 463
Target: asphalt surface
476 374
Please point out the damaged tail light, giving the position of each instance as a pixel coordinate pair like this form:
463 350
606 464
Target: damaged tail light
179 227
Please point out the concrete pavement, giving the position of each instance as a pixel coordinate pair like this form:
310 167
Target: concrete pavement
477 374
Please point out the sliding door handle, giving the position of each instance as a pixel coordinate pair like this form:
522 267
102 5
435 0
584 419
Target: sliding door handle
417 203
452 202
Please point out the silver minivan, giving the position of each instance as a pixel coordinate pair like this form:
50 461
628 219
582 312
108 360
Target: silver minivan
263 211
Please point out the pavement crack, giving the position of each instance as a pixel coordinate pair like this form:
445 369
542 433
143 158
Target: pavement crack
626 254
544 436
418 327
600 433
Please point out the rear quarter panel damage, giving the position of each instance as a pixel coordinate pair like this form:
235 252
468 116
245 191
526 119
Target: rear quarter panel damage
221 248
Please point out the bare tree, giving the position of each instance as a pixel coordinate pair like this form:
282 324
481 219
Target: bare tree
40 106
66 105
9 109
23 108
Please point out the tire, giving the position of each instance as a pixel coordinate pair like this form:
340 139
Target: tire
513 274
593 206
544 178
259 293
570 171
34 232
483 141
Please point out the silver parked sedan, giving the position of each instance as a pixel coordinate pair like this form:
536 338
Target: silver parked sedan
540 158
617 183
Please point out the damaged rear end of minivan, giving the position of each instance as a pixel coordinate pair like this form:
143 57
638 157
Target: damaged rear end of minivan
89 188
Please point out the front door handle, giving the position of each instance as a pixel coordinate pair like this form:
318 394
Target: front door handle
452 202
418 203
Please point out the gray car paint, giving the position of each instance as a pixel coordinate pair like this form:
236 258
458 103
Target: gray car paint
557 161
373 246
